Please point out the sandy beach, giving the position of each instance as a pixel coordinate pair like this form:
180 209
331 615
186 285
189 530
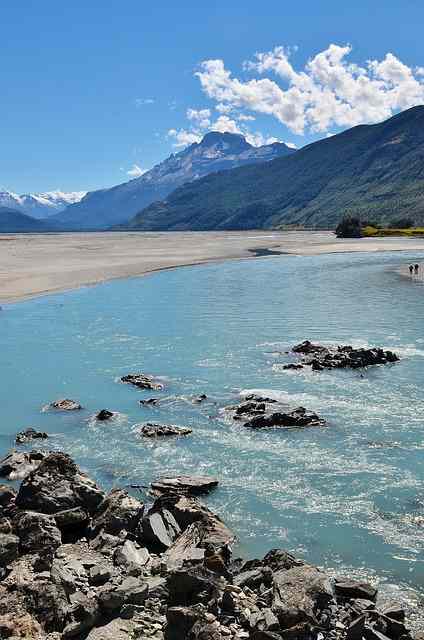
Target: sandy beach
32 265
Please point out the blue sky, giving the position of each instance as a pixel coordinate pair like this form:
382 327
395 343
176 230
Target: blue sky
92 90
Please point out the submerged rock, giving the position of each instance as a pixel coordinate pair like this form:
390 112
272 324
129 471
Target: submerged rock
104 414
190 485
65 405
30 434
149 402
142 381
153 430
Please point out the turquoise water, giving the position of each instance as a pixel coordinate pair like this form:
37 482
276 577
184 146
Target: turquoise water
348 496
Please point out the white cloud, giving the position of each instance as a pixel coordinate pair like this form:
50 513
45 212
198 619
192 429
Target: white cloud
201 117
183 138
140 102
328 92
136 171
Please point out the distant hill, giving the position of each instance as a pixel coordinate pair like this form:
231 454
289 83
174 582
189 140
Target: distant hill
373 171
216 152
13 221
39 205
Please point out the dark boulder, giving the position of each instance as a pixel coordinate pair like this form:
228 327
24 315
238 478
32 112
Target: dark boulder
142 381
298 593
308 347
117 512
7 496
103 415
9 548
340 357
153 430
192 585
37 533
187 485
180 621
30 434
299 417
57 484
351 589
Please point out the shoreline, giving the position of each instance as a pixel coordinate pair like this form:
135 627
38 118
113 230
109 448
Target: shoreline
43 264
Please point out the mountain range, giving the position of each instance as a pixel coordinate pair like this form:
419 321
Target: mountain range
216 152
39 205
14 221
373 171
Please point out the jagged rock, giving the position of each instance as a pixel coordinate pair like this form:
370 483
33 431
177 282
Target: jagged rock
130 591
278 559
5 525
7 495
353 589
37 533
57 484
142 381
187 547
30 434
65 404
9 548
117 629
103 415
191 585
100 574
205 631
70 573
256 398
16 466
105 543
152 430
293 366
393 610
71 519
157 587
356 629
298 593
117 512
159 527
180 621
189 485
299 417
188 510
131 555
81 616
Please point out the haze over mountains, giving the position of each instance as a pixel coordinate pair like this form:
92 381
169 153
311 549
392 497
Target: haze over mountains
375 171
216 152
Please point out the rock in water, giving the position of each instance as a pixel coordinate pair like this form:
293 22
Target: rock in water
189 485
142 381
104 414
340 357
65 405
29 434
57 484
299 417
153 430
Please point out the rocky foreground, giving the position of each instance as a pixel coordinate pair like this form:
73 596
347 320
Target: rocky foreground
77 563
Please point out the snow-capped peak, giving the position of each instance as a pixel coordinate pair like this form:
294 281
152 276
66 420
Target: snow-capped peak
40 205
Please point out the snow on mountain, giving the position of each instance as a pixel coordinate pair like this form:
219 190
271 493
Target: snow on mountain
40 205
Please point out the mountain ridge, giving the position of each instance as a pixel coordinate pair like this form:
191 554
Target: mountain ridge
39 205
215 152
376 171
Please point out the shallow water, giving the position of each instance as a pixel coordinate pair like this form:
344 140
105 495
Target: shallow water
348 496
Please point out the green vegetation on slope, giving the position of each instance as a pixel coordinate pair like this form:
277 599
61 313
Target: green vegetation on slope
371 171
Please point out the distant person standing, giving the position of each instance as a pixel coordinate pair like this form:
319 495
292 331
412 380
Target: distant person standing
416 268
411 269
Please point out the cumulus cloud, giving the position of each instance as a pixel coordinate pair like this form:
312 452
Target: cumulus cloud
136 171
329 92
182 137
